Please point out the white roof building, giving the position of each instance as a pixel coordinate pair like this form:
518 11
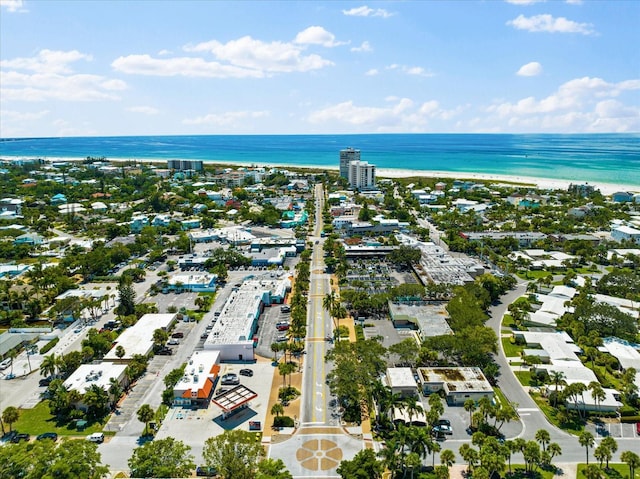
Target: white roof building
99 374
138 339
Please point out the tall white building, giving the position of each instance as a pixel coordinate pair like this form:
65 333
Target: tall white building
362 175
347 156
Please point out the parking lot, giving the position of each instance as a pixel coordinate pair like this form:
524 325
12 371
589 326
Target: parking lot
616 430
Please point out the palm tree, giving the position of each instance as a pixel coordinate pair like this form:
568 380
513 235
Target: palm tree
558 379
277 409
412 406
145 415
554 450
447 457
611 444
115 391
10 415
632 460
597 393
543 437
470 407
592 472
586 440
49 365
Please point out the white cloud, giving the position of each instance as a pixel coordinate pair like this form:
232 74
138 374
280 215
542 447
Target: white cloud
146 110
317 36
372 72
229 118
366 11
54 79
581 104
262 57
19 116
364 47
547 23
401 115
13 6
46 61
531 69
181 66
417 71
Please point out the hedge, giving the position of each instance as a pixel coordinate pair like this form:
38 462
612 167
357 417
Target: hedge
47 347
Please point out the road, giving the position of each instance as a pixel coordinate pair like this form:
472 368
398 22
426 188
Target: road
315 392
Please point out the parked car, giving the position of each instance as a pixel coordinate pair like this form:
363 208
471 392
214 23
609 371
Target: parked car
47 435
204 335
5 364
45 381
230 379
638 428
246 372
21 436
165 351
178 335
96 437
281 338
282 325
206 471
443 422
173 342
442 429
285 309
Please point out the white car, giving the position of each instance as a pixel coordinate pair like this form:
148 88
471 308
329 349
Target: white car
96 437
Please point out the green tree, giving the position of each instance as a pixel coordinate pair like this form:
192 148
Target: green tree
120 352
543 437
447 458
406 350
272 469
127 297
162 458
234 454
146 415
10 415
47 460
592 471
97 400
612 447
160 336
277 409
586 440
632 460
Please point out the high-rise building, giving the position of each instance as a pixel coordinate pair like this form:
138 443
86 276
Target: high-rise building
362 175
185 165
346 156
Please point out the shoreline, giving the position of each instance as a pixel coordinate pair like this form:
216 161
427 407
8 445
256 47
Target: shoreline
525 181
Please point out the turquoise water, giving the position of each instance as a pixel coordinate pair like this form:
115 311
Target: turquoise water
597 158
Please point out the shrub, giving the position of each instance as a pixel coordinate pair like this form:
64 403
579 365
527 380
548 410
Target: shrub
283 421
47 347
628 411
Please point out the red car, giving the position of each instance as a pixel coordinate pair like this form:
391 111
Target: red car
282 325
638 428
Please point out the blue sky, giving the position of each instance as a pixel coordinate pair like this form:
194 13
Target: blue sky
102 68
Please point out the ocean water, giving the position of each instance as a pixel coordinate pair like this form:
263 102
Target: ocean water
594 158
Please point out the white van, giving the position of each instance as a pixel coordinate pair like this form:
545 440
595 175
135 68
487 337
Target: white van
96 437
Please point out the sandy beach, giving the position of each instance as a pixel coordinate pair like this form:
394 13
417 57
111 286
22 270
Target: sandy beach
540 183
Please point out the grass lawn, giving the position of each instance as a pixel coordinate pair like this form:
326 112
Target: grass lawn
511 350
508 322
534 274
615 471
518 472
39 420
501 396
524 377
573 427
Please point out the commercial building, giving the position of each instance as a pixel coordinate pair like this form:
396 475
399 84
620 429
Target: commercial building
138 339
196 387
625 233
347 156
402 382
234 329
458 384
362 175
88 375
428 318
198 282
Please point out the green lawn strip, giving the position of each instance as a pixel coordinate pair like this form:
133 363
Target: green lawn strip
615 471
501 396
534 274
524 377
518 472
511 350
508 322
573 427
39 420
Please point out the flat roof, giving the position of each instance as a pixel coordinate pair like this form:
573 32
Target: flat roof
401 378
99 374
138 339
199 375
463 379
234 398
430 318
